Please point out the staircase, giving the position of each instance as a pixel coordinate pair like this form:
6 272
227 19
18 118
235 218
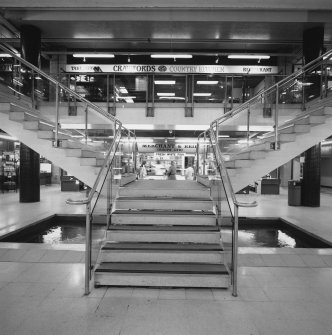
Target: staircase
251 162
163 233
38 133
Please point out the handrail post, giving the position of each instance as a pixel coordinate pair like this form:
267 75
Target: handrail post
204 153
33 89
276 116
248 125
109 196
235 249
87 248
86 124
56 135
217 133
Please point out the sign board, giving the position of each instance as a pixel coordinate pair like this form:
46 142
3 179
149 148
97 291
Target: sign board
172 69
167 147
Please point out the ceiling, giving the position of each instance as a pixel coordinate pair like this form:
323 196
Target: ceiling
209 29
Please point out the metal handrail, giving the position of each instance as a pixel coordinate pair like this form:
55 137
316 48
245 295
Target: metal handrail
55 82
96 183
312 65
118 128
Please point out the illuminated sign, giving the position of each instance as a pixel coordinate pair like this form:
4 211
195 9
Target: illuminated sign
169 69
167 147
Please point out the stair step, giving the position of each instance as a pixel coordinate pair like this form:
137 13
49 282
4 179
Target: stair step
164 228
72 144
282 137
301 128
162 246
157 192
311 119
163 217
37 125
156 203
167 234
50 135
162 274
328 110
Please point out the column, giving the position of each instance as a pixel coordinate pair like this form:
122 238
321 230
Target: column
29 159
313 40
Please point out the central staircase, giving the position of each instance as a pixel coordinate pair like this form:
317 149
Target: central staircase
163 233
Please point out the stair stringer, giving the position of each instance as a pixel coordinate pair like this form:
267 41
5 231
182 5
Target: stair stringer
275 158
86 174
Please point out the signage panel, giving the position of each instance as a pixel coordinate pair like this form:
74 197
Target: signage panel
172 69
167 147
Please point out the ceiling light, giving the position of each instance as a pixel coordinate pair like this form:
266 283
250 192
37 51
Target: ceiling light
166 94
164 82
202 94
173 98
207 82
5 55
8 137
224 136
93 55
123 90
171 56
248 56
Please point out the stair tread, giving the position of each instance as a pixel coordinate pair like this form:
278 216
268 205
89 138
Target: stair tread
165 198
170 268
162 246
162 212
164 228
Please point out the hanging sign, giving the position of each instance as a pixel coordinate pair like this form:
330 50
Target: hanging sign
167 147
172 69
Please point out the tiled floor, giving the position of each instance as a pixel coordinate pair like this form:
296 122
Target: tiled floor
281 291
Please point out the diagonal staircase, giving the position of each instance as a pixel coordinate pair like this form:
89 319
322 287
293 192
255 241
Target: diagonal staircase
163 233
305 130
38 133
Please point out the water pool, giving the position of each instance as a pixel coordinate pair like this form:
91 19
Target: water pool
272 233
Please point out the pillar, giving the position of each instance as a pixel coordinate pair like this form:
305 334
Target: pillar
29 159
313 40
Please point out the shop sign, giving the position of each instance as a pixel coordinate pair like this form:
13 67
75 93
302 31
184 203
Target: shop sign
172 69
166 147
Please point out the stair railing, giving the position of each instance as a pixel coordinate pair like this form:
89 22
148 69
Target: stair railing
304 88
34 88
216 175
102 195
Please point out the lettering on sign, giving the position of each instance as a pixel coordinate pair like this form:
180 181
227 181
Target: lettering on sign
191 69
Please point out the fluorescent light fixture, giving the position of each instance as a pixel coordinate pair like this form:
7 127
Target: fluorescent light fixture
171 56
172 98
123 90
244 56
207 82
4 55
166 94
128 97
93 55
224 136
202 94
245 141
164 82
8 137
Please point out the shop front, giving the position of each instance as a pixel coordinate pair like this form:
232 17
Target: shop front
158 154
